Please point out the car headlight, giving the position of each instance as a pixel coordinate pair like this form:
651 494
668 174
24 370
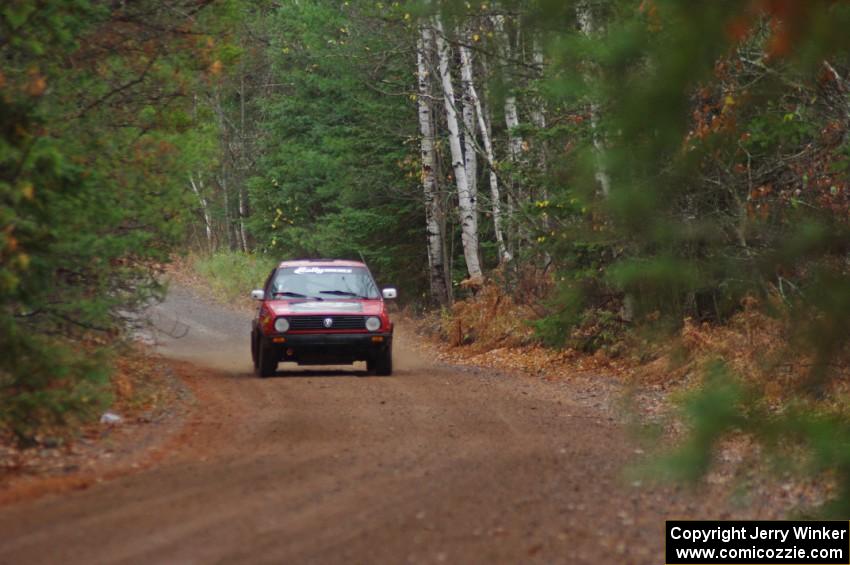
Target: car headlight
373 324
281 325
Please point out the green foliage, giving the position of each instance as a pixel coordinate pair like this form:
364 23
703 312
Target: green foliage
91 192
728 179
54 385
567 306
336 179
711 185
774 131
231 275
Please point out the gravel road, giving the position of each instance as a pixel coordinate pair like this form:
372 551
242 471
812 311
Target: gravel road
434 464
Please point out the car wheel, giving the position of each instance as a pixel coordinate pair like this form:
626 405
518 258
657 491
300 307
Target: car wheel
254 350
382 365
266 361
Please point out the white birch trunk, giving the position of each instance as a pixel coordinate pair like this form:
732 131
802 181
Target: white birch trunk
243 213
602 176
227 223
469 127
511 113
538 118
466 206
205 209
484 128
587 24
538 112
433 211
512 121
515 141
243 155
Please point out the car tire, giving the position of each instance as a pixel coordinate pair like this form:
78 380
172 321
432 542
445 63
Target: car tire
266 364
254 351
382 365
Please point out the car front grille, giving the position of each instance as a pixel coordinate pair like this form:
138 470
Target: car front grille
297 323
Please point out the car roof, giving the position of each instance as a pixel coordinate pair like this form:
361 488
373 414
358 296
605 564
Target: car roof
321 263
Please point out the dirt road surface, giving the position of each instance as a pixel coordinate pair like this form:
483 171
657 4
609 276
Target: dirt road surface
432 465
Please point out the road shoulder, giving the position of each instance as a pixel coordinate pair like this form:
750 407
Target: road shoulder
153 405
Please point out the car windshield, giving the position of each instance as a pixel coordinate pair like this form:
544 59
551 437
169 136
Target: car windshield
324 283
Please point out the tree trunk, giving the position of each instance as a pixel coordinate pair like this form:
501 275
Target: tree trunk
587 24
512 122
515 141
511 113
466 206
197 188
433 210
243 163
228 225
469 127
243 213
484 128
538 111
538 118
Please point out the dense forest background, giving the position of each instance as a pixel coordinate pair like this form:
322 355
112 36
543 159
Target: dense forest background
621 167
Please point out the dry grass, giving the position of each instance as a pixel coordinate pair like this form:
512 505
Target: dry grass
756 346
490 319
492 329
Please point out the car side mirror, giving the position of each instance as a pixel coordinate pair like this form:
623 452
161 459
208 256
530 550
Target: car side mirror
258 294
389 293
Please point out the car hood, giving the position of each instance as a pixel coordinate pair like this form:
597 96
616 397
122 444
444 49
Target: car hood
323 307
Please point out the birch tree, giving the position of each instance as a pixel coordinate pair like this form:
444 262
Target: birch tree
538 110
469 123
433 210
588 26
484 128
242 207
515 141
198 188
510 106
466 204
538 118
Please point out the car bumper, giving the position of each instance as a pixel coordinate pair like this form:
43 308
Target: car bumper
328 348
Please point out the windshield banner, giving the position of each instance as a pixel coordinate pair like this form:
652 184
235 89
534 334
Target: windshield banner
322 270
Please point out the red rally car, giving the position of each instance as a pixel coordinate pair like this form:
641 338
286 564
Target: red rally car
322 312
